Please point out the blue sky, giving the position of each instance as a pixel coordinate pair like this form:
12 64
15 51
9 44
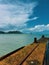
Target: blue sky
24 15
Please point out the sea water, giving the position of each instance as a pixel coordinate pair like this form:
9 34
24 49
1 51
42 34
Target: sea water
11 42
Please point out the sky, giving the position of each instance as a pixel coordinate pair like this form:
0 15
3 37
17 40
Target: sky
27 16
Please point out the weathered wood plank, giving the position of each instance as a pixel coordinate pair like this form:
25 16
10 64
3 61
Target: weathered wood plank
5 56
37 56
18 57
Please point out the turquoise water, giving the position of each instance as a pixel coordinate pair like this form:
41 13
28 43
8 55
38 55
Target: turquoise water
11 42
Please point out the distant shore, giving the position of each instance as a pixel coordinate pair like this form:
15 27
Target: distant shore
10 32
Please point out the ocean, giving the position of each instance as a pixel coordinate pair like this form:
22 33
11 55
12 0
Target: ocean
11 42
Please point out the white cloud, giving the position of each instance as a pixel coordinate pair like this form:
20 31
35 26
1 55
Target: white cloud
16 14
39 28
35 18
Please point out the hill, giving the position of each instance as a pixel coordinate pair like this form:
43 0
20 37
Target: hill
10 32
14 32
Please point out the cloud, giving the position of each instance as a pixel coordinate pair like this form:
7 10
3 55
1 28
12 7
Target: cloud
15 14
35 18
39 28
